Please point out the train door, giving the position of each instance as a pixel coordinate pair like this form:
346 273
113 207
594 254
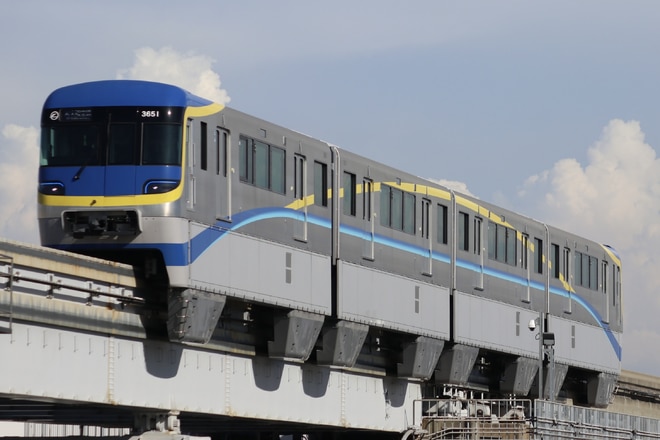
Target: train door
367 214
190 165
223 182
478 249
427 235
300 193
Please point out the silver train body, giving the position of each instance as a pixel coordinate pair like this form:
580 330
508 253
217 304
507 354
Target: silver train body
354 262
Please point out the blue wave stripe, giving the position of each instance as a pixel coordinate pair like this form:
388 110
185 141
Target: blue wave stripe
209 236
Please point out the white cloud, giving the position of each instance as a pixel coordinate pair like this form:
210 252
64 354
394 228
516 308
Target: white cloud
614 199
20 152
189 71
455 185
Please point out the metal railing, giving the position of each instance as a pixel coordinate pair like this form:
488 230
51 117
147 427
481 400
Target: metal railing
459 418
6 307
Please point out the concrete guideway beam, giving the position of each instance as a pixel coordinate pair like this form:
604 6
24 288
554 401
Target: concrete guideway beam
144 375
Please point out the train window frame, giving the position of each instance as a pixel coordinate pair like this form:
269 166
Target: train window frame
538 256
442 230
426 218
349 187
203 148
463 231
566 265
221 141
554 260
502 243
262 165
524 252
367 199
299 172
397 209
586 271
112 134
478 234
320 184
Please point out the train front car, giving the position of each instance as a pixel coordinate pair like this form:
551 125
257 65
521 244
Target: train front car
112 175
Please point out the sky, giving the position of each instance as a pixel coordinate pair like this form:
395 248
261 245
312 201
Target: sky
546 108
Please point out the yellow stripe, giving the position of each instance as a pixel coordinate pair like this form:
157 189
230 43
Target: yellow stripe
110 201
614 258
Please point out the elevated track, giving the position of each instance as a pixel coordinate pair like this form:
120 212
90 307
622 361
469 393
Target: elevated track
84 343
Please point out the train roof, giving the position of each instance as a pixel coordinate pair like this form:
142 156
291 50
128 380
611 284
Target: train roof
113 93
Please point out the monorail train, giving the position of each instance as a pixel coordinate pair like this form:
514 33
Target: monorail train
333 258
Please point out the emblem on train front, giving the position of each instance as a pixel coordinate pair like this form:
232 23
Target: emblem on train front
54 115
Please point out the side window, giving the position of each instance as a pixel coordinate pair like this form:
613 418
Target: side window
350 191
586 271
367 207
299 166
203 149
463 231
245 160
538 255
566 266
262 165
502 243
397 209
426 218
320 184
524 251
220 140
441 232
478 224
277 171
554 260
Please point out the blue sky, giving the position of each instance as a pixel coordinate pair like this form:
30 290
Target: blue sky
547 108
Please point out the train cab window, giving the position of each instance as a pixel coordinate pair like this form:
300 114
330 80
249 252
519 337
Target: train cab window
397 209
463 231
320 184
161 144
71 145
350 190
441 230
121 144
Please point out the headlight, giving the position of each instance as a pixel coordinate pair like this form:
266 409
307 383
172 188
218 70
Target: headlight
51 188
160 186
